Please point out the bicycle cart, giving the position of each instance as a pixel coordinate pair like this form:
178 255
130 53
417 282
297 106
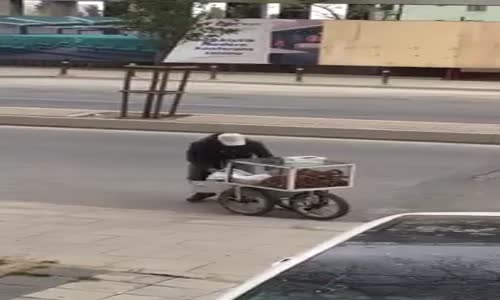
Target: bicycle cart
254 187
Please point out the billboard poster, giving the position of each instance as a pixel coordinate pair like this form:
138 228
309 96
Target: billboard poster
246 44
256 41
349 43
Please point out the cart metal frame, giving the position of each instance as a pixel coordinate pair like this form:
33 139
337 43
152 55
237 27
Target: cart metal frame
212 186
292 175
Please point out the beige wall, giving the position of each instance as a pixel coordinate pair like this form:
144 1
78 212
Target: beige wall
479 45
411 44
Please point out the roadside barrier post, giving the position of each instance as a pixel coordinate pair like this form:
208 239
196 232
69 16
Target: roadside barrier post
65 64
157 91
132 74
299 74
386 74
213 72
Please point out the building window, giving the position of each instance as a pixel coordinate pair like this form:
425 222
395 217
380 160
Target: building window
477 8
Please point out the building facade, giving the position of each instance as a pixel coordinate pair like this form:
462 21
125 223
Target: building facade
445 10
54 7
11 7
450 13
253 10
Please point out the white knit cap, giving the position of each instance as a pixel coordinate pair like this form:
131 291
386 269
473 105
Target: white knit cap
232 139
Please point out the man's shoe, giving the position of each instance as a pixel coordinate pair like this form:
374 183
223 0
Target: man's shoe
198 197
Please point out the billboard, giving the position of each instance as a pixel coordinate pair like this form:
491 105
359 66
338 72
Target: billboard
350 43
255 41
247 44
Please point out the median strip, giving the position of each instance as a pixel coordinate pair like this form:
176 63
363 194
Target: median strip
260 125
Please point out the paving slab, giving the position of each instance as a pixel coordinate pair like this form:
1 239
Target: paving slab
111 287
173 267
67 294
209 265
133 297
38 277
9 291
198 242
170 292
34 281
212 296
212 286
131 277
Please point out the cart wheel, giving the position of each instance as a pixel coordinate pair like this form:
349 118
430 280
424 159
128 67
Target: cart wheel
252 203
319 205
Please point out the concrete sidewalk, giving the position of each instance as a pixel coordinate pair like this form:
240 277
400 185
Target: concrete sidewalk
260 125
267 79
148 255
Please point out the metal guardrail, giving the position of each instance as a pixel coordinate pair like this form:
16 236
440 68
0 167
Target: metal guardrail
157 89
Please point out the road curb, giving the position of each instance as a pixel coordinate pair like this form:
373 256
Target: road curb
303 84
277 130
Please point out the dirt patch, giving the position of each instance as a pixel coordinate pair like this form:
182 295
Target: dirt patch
22 268
26 278
27 274
131 116
87 278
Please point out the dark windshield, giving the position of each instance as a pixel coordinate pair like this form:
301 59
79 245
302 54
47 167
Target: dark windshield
424 258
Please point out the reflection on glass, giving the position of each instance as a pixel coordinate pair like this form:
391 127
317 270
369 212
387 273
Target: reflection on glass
417 258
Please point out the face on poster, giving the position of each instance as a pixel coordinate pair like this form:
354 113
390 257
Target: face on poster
295 42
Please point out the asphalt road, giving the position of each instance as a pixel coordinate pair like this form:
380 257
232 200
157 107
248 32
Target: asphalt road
146 170
357 103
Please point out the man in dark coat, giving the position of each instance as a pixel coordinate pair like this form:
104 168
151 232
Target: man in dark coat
213 153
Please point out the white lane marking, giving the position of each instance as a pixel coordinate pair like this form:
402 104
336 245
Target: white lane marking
183 104
249 106
55 100
325 98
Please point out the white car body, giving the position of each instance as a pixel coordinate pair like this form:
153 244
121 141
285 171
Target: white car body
290 262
